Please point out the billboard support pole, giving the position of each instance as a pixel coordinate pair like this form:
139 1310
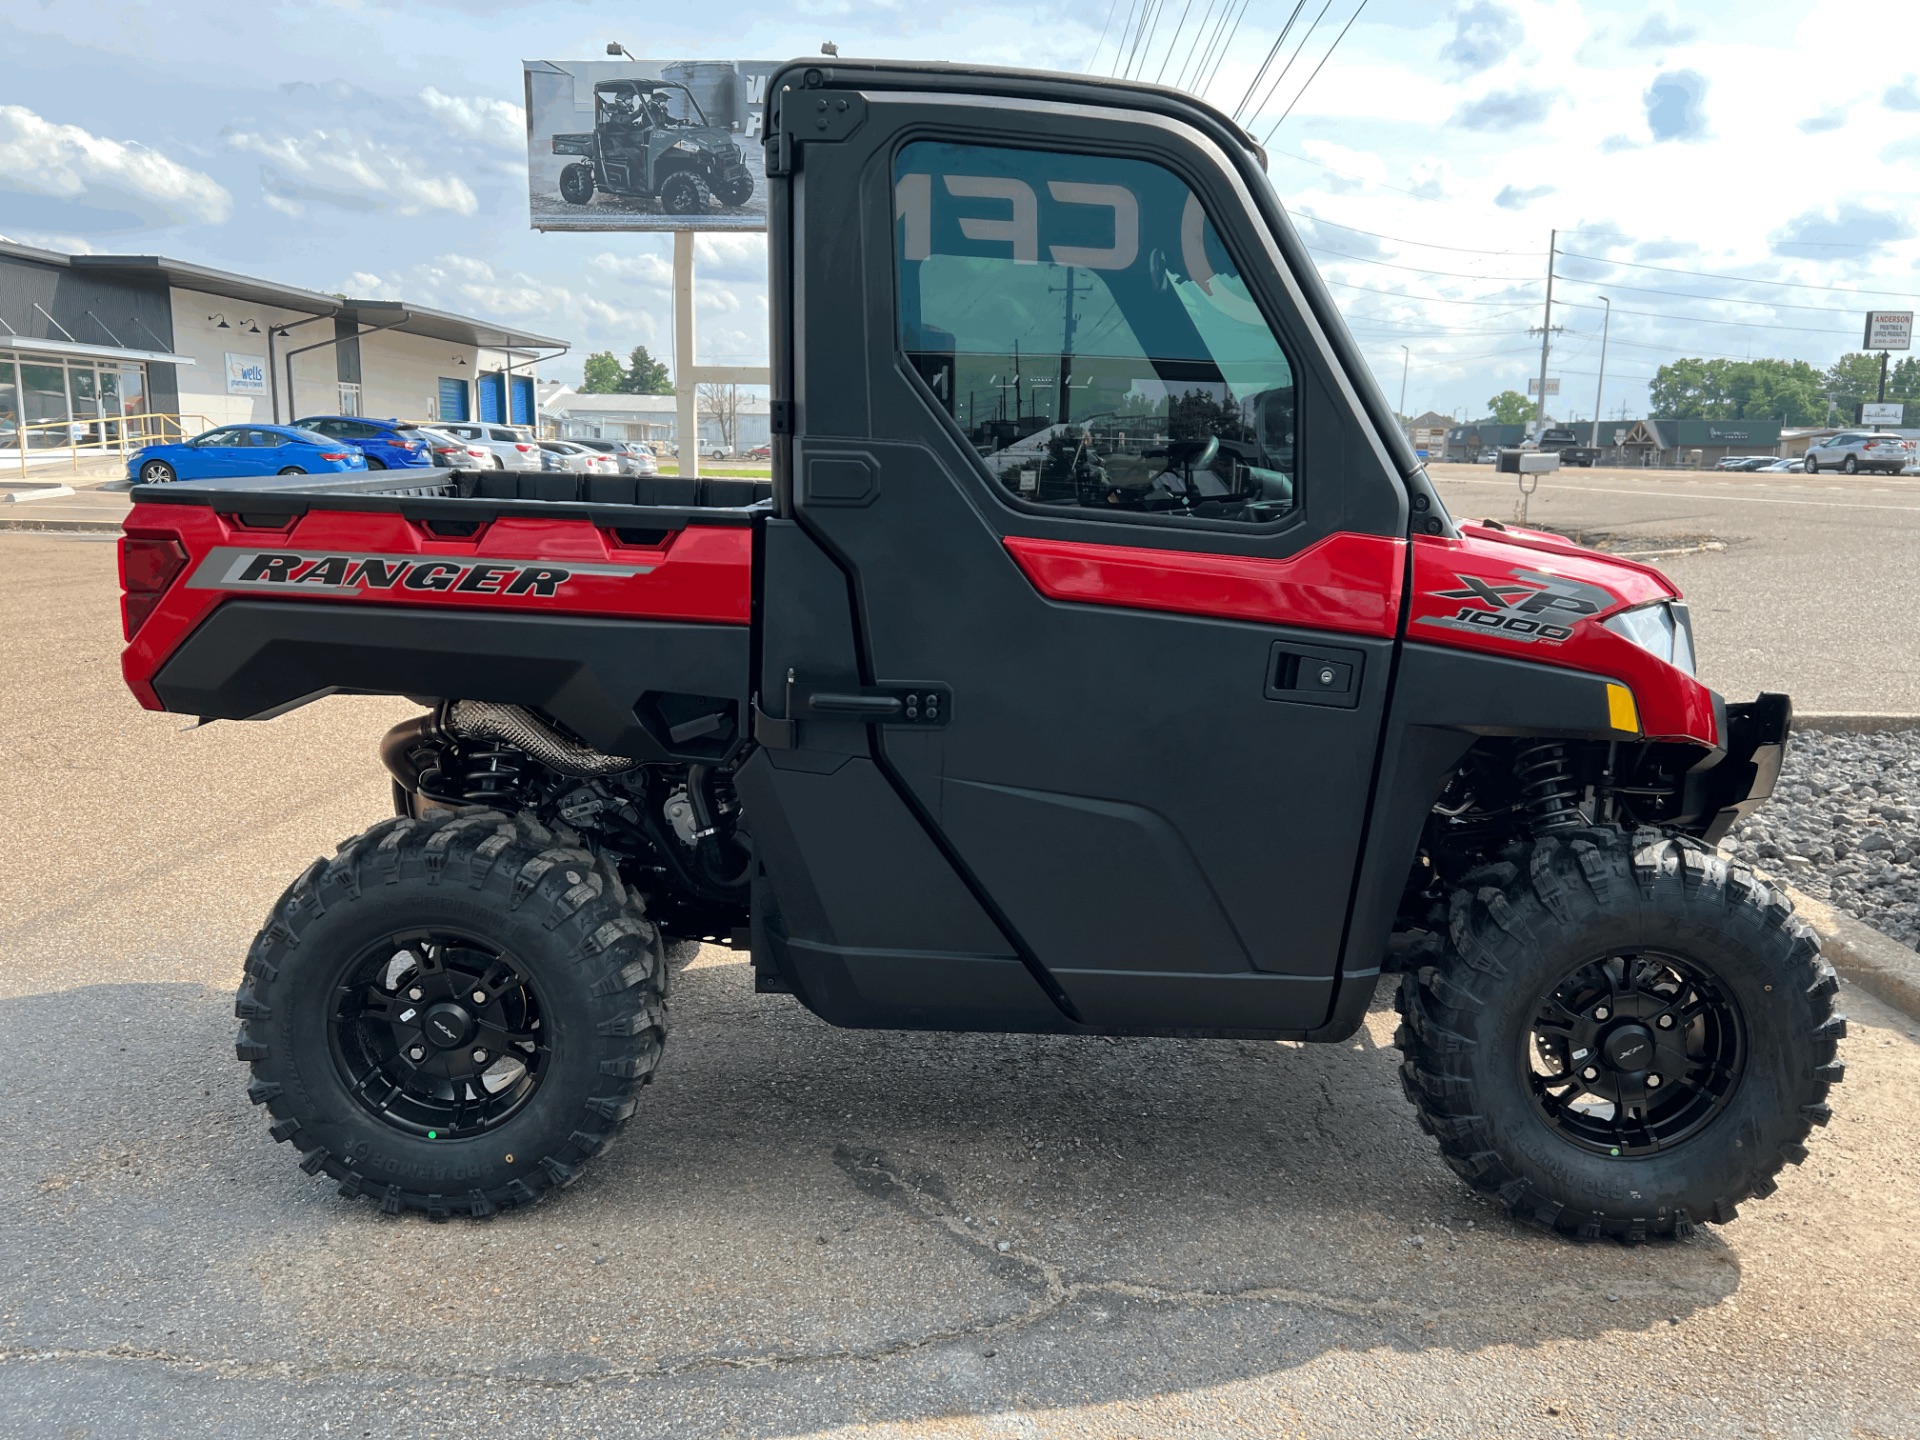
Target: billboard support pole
686 422
688 376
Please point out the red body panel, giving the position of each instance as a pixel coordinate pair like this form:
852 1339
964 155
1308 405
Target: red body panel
516 564
1348 583
1513 566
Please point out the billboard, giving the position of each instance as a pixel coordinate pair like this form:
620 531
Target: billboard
1888 330
647 145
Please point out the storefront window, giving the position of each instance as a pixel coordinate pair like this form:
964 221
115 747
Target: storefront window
45 391
9 403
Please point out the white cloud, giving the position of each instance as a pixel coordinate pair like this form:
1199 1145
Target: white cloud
498 122
66 162
350 172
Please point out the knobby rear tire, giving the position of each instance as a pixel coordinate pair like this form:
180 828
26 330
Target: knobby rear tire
578 935
1515 927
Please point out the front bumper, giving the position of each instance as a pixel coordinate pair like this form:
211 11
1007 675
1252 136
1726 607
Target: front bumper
1755 741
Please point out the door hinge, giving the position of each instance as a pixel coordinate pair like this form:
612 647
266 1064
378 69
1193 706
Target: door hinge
817 115
780 417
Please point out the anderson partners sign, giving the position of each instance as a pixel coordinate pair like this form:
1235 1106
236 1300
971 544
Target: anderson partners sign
1889 330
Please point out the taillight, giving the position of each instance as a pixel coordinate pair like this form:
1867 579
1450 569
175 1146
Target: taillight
324 455
524 449
147 568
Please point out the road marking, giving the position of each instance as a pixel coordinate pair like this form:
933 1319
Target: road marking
1650 494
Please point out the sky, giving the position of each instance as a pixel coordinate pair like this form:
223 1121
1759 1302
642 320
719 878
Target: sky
1737 176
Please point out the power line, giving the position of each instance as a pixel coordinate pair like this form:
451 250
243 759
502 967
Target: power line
1418 270
1740 279
1278 41
1702 320
1512 303
1318 68
1290 59
1173 41
1429 244
1180 76
1716 299
1217 52
1112 10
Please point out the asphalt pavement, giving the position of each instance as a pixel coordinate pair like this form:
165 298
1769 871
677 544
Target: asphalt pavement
807 1231
1815 590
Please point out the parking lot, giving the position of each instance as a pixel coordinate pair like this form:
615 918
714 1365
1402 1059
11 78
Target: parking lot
808 1231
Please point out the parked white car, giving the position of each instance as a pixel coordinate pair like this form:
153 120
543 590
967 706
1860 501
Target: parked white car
1855 450
451 452
567 455
511 447
631 456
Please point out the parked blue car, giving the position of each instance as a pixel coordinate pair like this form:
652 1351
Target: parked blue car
387 444
243 450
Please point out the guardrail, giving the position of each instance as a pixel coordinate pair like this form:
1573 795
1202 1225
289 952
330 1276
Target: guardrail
112 435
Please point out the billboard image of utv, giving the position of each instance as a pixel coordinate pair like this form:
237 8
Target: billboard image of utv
647 145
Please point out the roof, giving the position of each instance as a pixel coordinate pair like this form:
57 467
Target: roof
1685 433
610 407
159 270
1432 420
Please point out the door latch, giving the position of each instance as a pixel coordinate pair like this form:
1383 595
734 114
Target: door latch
1314 675
919 706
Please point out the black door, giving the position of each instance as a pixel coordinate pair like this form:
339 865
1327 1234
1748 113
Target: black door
1121 560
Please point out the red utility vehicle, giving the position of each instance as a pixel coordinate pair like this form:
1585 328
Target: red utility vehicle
1099 660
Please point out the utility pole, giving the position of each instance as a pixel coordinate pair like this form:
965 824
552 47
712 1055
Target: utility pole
1069 289
1406 358
1601 389
1883 384
1546 337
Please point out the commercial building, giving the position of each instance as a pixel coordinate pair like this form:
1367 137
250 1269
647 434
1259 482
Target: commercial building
1657 444
97 347
651 417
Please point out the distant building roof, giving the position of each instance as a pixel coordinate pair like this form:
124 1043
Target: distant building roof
612 407
400 315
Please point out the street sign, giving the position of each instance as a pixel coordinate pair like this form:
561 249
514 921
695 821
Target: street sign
1553 384
1873 413
1888 330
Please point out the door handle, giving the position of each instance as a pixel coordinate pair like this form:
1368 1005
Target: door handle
1314 675
864 704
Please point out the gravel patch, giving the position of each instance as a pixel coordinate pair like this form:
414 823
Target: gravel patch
1844 826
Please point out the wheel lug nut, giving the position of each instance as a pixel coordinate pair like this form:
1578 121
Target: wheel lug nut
416 1053
416 993
1666 1022
1590 1073
1653 1082
479 997
1600 1012
479 1057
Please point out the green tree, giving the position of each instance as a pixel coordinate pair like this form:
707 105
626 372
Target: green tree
602 374
1510 407
1788 391
645 375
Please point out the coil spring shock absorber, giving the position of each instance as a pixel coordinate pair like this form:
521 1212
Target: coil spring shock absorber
490 775
1547 788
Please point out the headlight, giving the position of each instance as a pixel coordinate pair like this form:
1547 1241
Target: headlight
1664 629
687 145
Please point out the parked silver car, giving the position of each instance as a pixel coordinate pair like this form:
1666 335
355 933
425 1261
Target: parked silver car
572 456
512 447
452 452
1855 450
632 457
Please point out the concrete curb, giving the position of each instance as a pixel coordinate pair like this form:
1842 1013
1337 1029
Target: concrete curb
1884 968
83 527
1855 724
43 492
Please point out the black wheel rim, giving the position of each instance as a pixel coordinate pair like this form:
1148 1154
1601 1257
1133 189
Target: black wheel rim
1633 1053
438 1034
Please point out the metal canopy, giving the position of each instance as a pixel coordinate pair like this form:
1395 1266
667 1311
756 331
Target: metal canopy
31 344
432 324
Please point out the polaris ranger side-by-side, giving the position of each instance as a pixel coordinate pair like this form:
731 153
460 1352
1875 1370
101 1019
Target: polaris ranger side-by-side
639 148
1101 662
